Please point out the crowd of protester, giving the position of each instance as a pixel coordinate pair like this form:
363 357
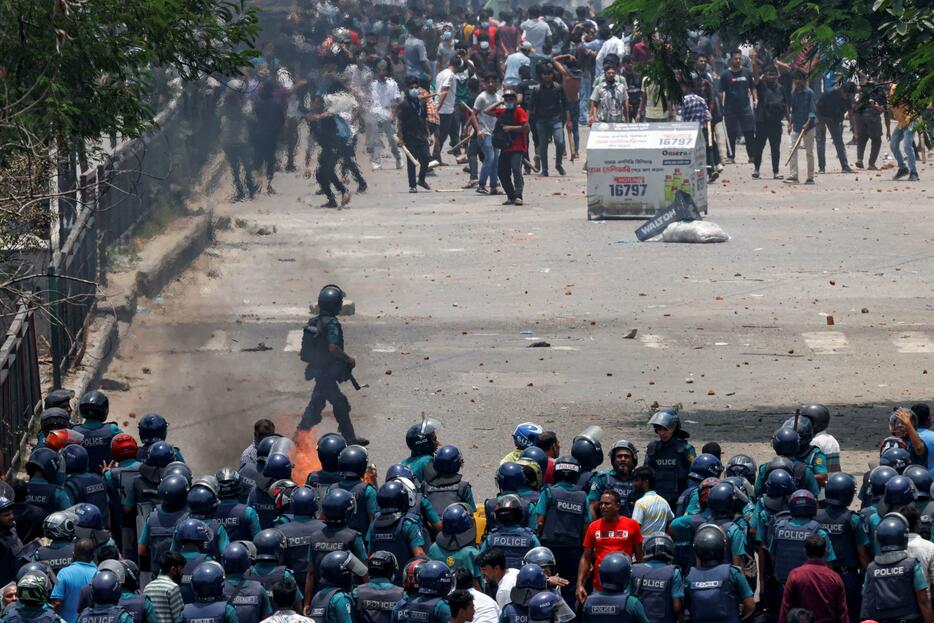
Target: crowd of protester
108 528
493 89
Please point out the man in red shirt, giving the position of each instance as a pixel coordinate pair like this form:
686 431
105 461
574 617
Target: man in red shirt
610 533
512 125
815 587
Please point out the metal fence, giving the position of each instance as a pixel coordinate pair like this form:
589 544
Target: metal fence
19 384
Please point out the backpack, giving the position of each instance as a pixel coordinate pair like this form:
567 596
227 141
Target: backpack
314 343
343 129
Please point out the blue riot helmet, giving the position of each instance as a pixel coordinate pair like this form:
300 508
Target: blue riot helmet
615 572
46 462
721 500
786 442
392 497
193 531
841 489
59 526
338 506
709 544
87 516
588 448
228 482
543 557
161 454
802 503
892 533
536 454
544 607
878 478
779 484
509 477
448 461
422 438
152 428
922 479
173 491
269 545
526 434
666 418
805 429
265 446
508 510
106 588
94 406
896 458
236 558
304 502
399 471
177 468
329 448
435 579
382 564
75 458
330 299
202 501
278 467
353 461
899 491
339 568
456 519
819 416
207 582
567 469
705 466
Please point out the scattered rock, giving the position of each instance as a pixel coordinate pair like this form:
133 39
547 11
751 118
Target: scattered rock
241 223
222 222
541 344
830 320
213 274
258 348
388 372
711 392
112 385
264 231
147 370
631 335
865 310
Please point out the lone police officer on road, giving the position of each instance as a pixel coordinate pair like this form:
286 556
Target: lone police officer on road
323 351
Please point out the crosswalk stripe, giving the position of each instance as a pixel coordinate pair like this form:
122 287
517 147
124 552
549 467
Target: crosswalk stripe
653 341
825 342
913 342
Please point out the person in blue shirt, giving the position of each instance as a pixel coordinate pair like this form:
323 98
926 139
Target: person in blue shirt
72 579
333 603
923 413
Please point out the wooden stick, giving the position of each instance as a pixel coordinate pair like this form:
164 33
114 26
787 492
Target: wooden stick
797 144
571 149
409 155
465 139
709 135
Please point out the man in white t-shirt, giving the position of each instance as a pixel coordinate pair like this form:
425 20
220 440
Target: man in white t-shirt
445 87
493 567
384 96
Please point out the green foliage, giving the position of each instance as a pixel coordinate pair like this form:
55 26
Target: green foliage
80 69
891 39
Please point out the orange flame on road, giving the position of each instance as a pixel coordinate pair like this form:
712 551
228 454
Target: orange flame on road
306 455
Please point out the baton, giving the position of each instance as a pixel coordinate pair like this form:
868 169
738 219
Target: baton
357 385
464 140
797 144
709 135
409 155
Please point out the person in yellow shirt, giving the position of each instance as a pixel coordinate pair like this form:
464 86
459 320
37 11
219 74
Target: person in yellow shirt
903 137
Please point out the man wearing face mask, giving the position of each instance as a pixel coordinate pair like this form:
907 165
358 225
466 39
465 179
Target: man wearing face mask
551 116
445 49
484 58
519 58
413 133
609 102
510 136
485 26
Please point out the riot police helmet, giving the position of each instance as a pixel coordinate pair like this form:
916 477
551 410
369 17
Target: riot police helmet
892 533
802 503
709 544
94 406
615 572
922 479
435 579
742 465
173 491
567 469
786 442
819 416
660 547
152 428
353 461
207 582
841 489
779 483
106 588
330 299
338 506
448 460
75 458
329 449
526 434
510 477
269 544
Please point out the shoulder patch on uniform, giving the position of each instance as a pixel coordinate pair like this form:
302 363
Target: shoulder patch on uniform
818 460
450 561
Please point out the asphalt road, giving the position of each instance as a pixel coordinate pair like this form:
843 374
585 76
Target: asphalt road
452 290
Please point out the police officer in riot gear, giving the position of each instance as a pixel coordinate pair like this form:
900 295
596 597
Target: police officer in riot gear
156 534
510 480
94 408
447 486
338 508
847 535
153 428
742 465
81 484
524 436
396 528
787 536
192 537
897 458
89 524
435 582
787 443
808 454
46 473
721 501
248 597
422 441
120 481
374 601
716 592
613 602
657 582
333 603
823 440
670 456
210 605
895 587
277 466
144 496
562 516
421 508
329 449
299 526
624 458
240 520
327 363
353 462
202 505
52 418
455 544
588 450
106 588
703 467
32 594
268 568
59 529
510 534
923 481
530 581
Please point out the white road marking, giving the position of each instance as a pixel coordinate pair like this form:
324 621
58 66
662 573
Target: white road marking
293 341
913 342
653 341
825 342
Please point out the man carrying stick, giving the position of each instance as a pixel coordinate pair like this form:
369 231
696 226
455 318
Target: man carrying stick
413 134
803 118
